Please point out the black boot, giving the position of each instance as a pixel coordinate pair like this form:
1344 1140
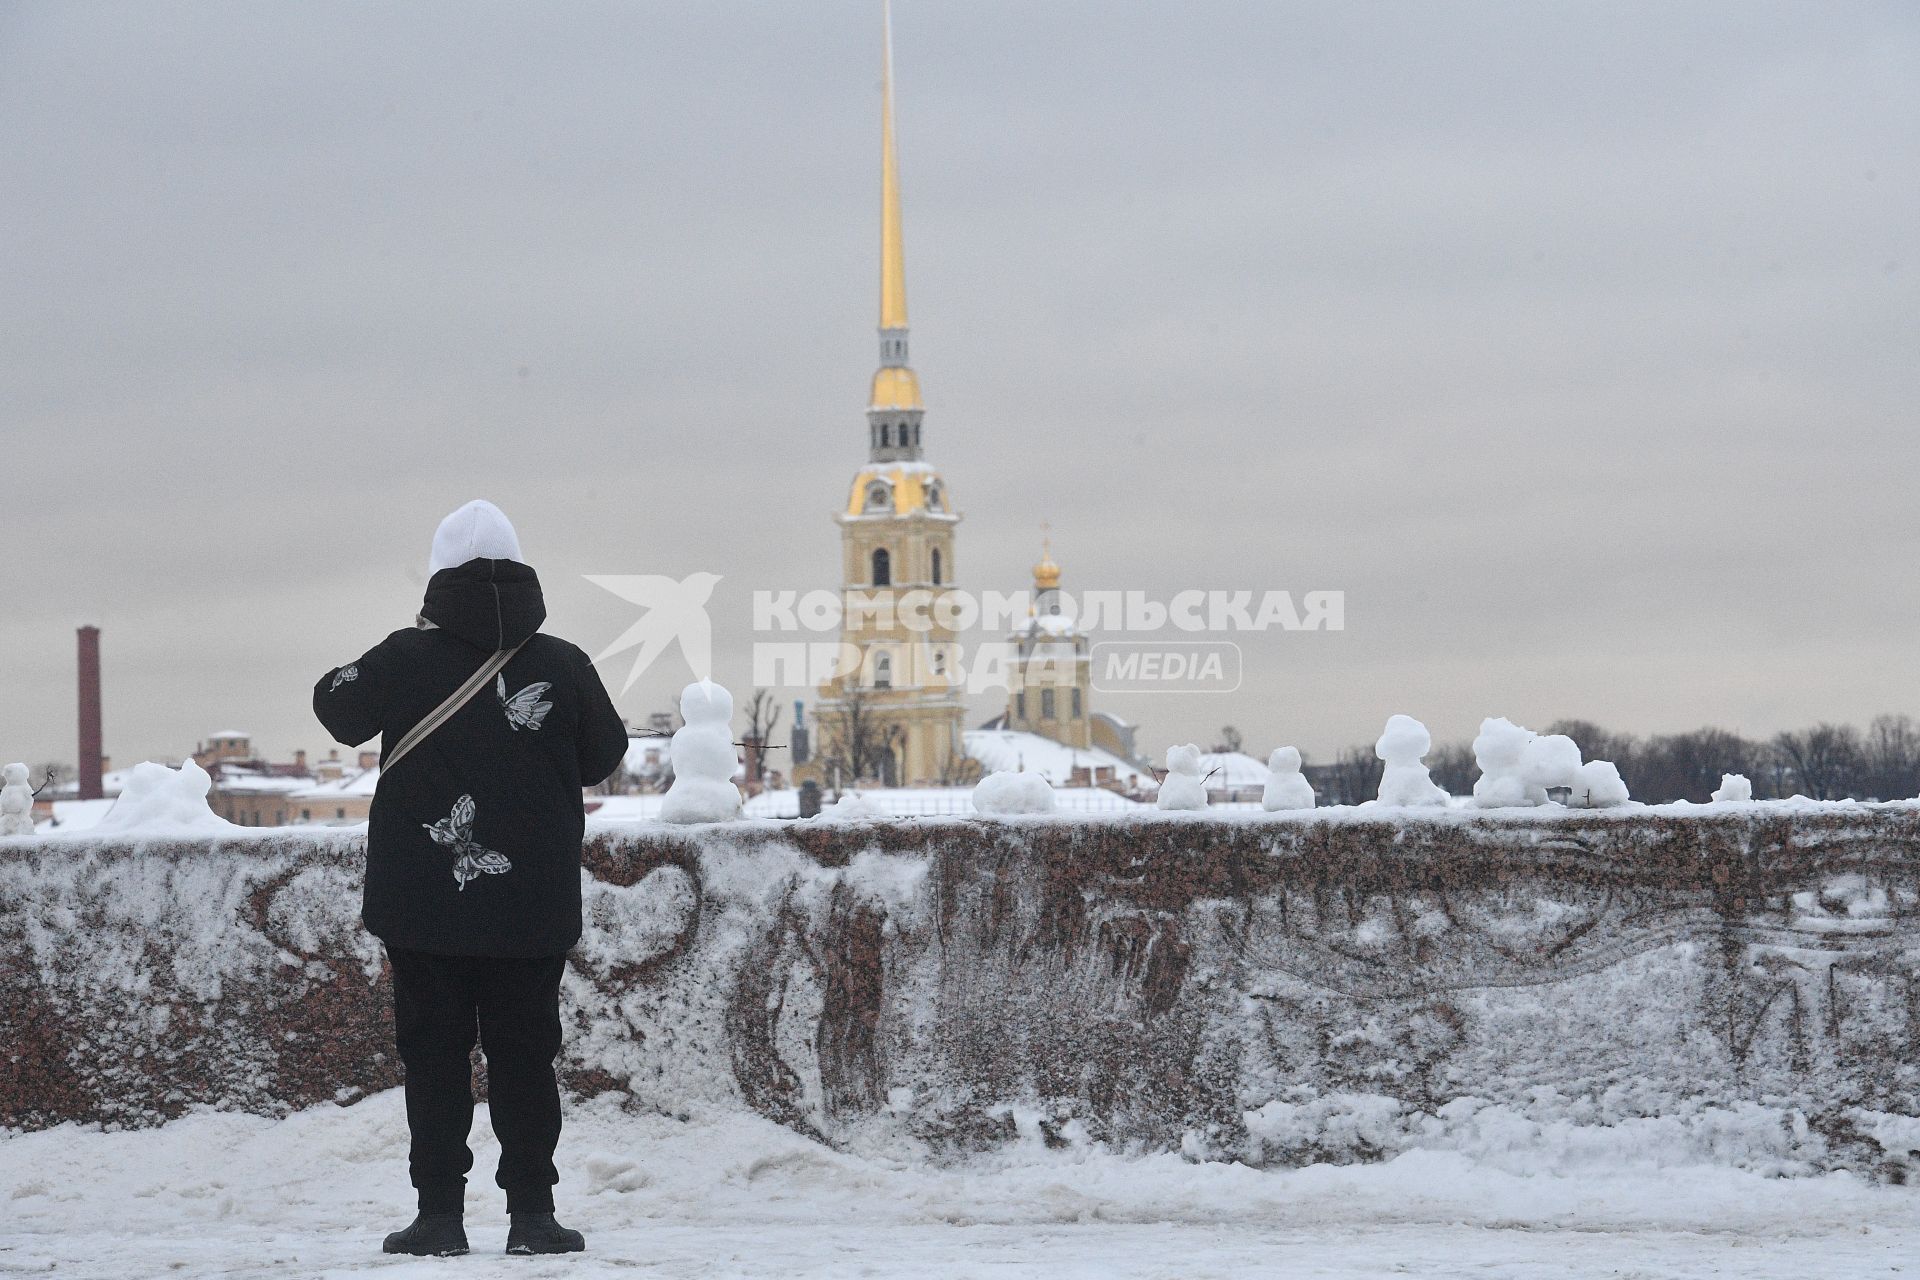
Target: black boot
539 1233
431 1235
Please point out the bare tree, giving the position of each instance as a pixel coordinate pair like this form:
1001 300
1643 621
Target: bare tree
763 714
960 770
1354 777
1453 767
1825 759
1230 739
859 744
1597 743
1688 766
1892 766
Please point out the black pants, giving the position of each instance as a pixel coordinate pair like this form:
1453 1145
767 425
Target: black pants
439 1003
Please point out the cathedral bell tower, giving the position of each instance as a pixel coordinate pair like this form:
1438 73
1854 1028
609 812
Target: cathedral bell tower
1053 666
892 714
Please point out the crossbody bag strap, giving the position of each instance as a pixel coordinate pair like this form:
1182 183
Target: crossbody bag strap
454 701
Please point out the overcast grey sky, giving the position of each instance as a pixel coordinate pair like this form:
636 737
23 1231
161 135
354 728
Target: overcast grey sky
1575 342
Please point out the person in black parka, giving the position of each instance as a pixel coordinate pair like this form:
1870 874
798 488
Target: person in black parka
473 866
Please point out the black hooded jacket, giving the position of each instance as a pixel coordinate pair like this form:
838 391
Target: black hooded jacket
473 845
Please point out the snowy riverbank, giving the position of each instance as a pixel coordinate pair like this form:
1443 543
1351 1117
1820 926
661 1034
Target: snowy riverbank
730 1194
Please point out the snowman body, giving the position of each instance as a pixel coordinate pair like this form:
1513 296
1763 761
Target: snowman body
1404 780
1736 787
1501 752
16 803
703 759
1287 787
1183 787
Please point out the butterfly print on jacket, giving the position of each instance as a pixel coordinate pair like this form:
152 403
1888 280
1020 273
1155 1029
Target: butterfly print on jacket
524 709
349 672
456 833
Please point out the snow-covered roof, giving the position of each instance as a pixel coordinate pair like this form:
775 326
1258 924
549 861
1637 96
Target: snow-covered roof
75 815
356 785
112 783
232 733
1232 771
251 782
998 749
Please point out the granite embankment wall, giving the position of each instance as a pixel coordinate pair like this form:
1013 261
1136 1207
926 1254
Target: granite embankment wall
1346 984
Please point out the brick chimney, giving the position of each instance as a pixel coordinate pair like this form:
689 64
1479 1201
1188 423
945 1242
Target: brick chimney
91 763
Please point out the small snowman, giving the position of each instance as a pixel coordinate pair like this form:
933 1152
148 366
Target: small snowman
1287 787
1405 781
16 803
1500 750
1183 787
703 759
1012 792
1735 787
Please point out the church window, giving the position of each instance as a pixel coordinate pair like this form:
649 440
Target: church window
883 672
1020 705
1076 702
879 497
1046 704
936 559
882 568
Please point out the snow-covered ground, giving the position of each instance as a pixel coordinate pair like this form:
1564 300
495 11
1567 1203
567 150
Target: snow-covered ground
726 1194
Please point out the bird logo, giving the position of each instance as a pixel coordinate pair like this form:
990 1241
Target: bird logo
675 610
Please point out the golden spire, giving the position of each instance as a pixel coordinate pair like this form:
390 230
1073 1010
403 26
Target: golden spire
1046 574
895 386
893 260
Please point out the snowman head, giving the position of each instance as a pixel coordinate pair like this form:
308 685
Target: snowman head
16 775
1500 745
1284 760
1184 759
706 703
1404 741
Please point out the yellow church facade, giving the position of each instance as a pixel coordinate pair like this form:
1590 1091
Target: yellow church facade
894 713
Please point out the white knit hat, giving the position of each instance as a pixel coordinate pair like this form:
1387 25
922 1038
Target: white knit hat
476 531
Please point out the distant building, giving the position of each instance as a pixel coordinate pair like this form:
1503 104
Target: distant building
344 799
247 790
1052 671
897 717
1049 725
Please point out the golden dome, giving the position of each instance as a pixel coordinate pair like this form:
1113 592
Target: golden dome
895 387
1046 574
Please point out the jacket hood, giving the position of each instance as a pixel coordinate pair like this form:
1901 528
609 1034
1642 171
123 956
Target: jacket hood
477 531
493 604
